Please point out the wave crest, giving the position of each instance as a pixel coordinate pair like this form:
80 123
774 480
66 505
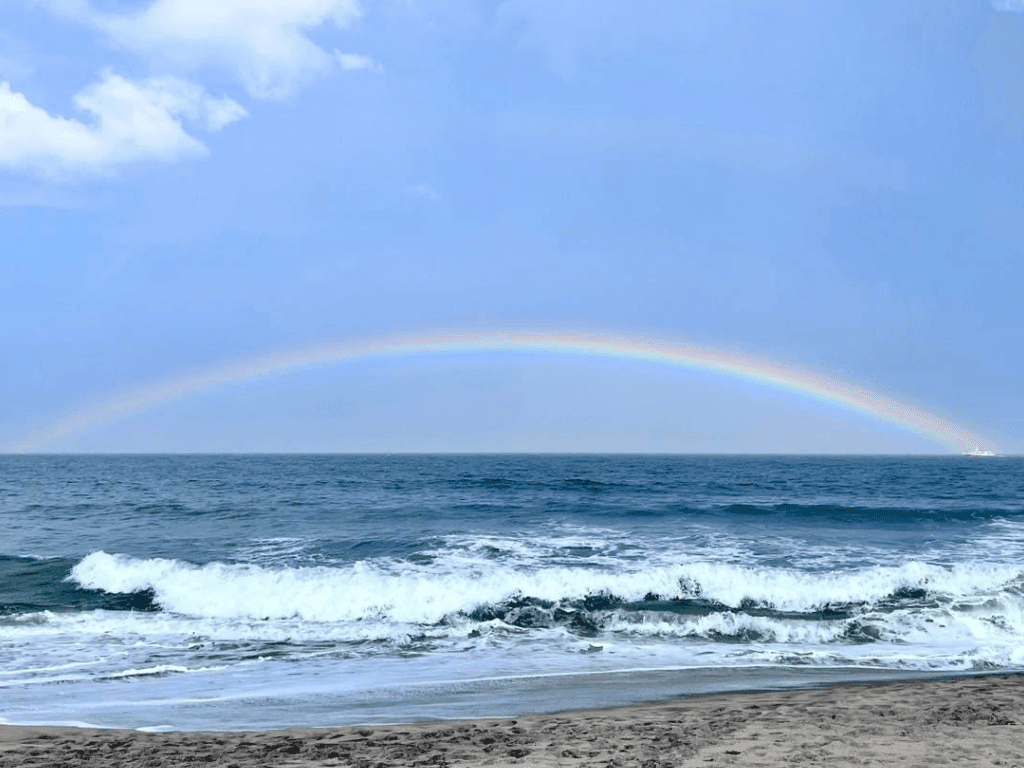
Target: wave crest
401 591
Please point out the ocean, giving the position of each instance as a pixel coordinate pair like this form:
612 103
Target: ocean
230 592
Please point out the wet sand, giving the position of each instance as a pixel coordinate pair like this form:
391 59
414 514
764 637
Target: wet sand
976 721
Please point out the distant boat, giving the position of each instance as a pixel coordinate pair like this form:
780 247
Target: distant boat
980 452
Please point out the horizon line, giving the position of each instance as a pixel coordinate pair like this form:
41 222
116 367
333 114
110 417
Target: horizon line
808 454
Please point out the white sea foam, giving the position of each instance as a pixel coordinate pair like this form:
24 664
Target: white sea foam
49 668
406 593
38 680
159 669
732 625
27 678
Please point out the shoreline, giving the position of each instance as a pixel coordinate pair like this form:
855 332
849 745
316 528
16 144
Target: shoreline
958 720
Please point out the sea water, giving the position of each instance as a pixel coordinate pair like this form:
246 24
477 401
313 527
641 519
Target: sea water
254 591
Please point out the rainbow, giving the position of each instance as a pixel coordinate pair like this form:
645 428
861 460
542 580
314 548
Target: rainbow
818 387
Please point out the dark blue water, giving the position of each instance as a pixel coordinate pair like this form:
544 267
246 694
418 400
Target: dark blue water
258 591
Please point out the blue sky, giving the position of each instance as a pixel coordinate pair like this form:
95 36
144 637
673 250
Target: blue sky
832 186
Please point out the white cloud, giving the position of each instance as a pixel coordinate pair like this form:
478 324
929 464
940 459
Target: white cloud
1017 6
355 61
262 42
131 122
219 112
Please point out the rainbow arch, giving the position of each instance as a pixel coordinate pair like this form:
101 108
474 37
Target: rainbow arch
818 387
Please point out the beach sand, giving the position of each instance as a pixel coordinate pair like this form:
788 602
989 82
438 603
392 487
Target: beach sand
977 721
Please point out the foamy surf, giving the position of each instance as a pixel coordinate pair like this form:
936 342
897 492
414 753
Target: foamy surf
425 594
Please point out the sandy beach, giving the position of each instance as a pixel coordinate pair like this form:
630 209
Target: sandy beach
975 721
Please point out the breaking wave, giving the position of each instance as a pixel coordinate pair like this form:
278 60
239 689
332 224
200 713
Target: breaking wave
713 601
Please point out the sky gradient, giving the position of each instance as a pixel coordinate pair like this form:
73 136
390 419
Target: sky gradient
184 186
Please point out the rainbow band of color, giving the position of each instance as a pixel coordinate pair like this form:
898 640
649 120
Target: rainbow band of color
851 397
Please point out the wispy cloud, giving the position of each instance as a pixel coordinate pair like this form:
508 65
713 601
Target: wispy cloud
131 122
263 43
356 61
1017 6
